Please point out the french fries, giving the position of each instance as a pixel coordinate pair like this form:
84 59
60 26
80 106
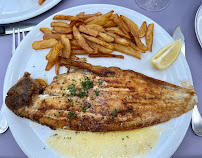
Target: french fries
64 17
59 24
118 39
98 41
127 50
79 52
88 31
110 23
117 31
106 55
87 16
96 35
121 24
102 19
82 42
52 58
44 44
149 36
142 29
62 29
56 36
41 82
66 51
96 27
106 37
139 44
45 30
131 25
57 67
41 2
101 49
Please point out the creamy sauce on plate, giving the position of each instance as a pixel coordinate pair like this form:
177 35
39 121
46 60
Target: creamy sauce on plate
122 144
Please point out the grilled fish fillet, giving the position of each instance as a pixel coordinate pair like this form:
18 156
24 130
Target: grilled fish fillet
111 99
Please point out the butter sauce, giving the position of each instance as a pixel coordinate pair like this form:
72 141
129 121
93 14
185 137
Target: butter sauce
134 143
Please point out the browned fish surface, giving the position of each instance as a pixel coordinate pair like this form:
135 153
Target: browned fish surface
111 100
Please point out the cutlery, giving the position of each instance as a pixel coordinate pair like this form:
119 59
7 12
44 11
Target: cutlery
3 121
196 117
8 29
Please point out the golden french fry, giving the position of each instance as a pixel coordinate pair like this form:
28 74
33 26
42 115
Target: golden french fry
57 67
142 29
118 39
106 37
64 17
121 24
102 19
76 47
80 39
140 44
62 29
105 55
149 36
87 16
49 65
79 52
45 30
74 43
44 44
58 46
117 31
96 27
135 47
66 51
101 49
74 57
131 25
82 13
127 50
41 82
59 24
53 55
110 23
57 36
98 41
41 2
90 19
88 31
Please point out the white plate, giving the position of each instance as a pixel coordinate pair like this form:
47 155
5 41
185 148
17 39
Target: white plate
32 140
18 10
198 25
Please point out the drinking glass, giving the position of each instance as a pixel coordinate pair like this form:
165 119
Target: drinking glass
153 5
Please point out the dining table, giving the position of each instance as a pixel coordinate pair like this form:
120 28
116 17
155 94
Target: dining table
180 12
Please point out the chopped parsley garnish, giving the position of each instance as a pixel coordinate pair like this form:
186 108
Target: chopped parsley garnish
71 115
116 110
74 80
63 94
96 92
127 136
63 83
85 106
55 134
100 82
70 100
72 89
87 84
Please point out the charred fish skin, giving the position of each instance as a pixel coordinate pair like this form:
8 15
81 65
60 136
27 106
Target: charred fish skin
22 93
109 100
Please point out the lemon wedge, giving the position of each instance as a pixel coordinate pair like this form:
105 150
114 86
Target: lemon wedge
167 55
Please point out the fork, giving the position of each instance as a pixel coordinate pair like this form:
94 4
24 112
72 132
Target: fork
3 121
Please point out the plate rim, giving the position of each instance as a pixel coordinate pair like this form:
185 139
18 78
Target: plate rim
76 7
30 14
196 26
